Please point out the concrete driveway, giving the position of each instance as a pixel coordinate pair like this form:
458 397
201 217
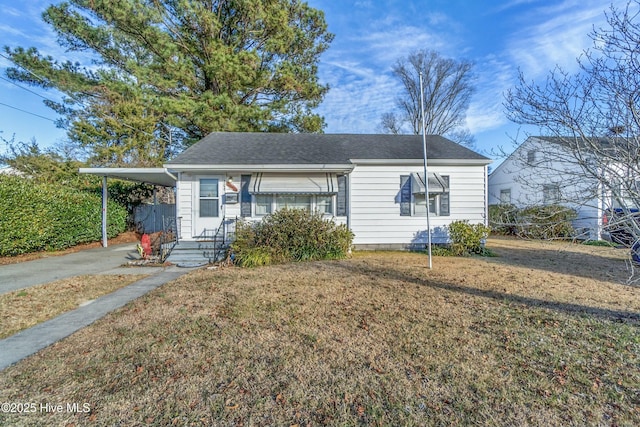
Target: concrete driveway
93 261
55 267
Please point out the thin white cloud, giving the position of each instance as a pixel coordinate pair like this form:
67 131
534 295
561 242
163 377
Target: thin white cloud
9 30
486 110
386 47
558 36
359 95
513 4
363 4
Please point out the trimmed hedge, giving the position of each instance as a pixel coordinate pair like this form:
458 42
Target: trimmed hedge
290 235
36 217
534 222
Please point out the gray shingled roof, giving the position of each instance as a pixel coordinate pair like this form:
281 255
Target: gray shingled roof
287 148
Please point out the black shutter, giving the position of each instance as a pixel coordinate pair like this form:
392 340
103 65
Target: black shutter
342 196
245 196
445 209
405 195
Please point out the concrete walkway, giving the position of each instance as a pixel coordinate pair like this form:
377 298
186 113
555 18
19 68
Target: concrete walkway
56 267
27 342
108 260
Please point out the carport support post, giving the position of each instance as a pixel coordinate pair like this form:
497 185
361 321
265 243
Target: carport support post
104 211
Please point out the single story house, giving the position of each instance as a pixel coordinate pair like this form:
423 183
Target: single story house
542 172
373 183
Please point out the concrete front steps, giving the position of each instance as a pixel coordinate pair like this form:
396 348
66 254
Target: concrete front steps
189 253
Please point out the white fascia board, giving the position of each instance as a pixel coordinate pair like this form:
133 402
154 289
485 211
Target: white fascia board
155 176
417 162
263 167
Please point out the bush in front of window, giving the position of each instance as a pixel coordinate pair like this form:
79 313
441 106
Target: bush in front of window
290 235
468 239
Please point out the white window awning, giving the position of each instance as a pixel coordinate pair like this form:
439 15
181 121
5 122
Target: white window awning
437 184
313 183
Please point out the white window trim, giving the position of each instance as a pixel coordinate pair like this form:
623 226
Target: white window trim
216 199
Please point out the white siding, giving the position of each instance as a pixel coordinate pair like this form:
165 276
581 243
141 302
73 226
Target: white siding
375 204
184 200
551 166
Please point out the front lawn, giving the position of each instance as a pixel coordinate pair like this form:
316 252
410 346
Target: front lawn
527 338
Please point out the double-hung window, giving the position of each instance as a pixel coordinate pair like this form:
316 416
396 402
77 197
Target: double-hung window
209 198
505 196
550 194
264 204
420 205
414 200
324 204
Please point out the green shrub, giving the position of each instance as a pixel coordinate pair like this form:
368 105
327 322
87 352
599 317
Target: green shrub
545 222
290 235
440 250
467 239
534 222
36 217
503 219
254 257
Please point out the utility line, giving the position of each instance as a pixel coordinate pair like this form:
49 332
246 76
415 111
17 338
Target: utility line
28 112
25 88
42 79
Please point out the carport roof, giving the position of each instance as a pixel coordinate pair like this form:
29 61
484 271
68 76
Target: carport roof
155 176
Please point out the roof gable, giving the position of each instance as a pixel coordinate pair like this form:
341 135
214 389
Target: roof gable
236 148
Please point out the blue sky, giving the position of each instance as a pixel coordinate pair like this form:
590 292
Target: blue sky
500 37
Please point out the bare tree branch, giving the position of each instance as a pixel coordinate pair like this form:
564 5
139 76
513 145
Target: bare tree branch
591 120
447 92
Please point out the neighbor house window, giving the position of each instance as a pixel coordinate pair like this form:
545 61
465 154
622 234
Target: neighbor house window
531 156
550 194
505 196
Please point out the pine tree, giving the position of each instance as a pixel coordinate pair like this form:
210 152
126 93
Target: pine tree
179 68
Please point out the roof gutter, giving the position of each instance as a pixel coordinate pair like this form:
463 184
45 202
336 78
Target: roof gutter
419 162
262 167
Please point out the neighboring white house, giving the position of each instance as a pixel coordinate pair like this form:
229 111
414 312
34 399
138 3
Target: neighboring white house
541 172
373 183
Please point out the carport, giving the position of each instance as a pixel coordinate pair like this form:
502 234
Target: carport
153 176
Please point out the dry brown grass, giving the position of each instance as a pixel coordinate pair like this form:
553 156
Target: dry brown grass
25 308
542 335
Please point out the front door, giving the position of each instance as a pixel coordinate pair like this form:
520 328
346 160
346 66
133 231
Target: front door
207 206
